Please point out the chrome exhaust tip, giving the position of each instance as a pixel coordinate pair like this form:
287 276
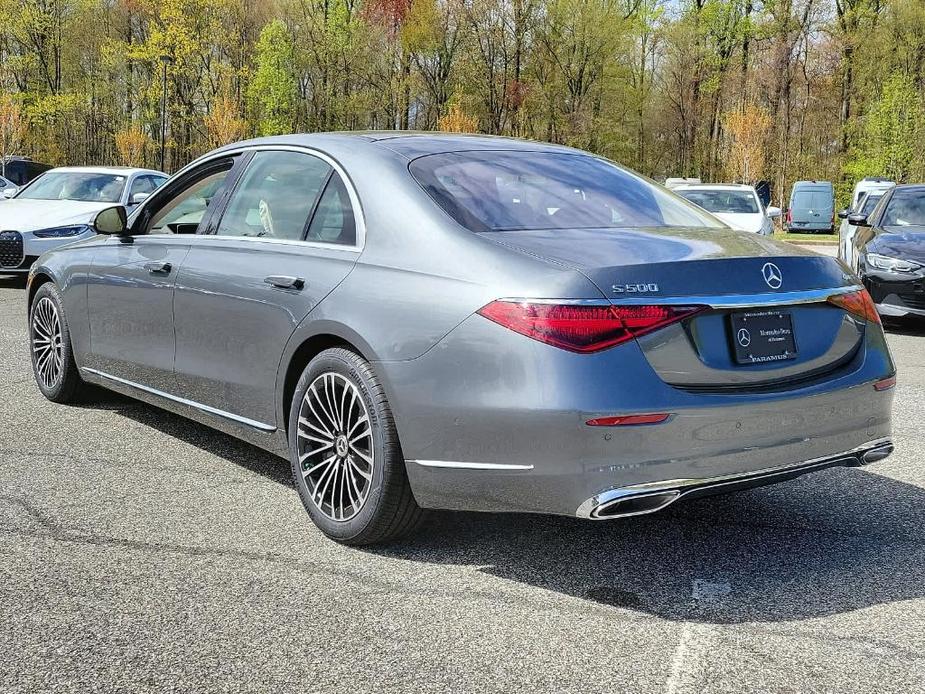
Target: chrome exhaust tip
635 504
878 453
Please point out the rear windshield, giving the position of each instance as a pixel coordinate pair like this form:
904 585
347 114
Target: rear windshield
905 209
509 191
812 200
730 201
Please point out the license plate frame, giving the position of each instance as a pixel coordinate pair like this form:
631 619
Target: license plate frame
762 336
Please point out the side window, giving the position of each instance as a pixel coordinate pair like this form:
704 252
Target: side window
182 213
275 197
333 221
143 184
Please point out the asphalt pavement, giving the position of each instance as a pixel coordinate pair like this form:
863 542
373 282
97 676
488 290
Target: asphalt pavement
140 552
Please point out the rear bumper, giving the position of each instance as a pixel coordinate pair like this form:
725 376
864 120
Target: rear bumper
492 421
621 502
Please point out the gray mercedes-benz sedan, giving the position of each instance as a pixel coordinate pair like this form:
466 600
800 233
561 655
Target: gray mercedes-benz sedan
423 321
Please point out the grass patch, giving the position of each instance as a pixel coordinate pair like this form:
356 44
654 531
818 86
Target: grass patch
808 239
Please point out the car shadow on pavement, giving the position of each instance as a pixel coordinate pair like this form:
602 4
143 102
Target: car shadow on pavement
12 281
214 442
832 542
905 326
828 543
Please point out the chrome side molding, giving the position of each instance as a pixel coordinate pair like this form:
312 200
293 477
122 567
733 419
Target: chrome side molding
460 465
183 401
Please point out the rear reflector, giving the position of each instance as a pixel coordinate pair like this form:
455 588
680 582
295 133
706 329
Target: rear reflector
885 383
583 328
858 304
627 420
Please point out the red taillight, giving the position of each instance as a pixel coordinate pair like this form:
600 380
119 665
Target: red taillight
628 420
789 216
583 328
857 303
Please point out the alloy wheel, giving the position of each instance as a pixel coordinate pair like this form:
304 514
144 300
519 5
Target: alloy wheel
335 446
47 342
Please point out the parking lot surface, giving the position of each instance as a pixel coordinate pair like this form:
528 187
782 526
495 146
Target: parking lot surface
142 552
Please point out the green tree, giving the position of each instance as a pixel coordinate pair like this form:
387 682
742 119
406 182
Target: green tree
272 91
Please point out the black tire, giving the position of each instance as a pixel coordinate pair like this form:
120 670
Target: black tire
389 511
66 386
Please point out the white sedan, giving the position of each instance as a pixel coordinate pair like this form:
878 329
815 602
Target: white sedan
58 206
737 205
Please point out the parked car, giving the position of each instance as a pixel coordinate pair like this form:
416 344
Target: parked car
847 230
812 207
7 188
870 184
21 170
58 207
466 322
737 205
672 183
889 248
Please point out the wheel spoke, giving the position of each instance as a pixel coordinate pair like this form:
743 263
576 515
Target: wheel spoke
309 454
319 429
367 475
364 434
322 407
326 461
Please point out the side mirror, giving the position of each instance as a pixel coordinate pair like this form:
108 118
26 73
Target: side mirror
9 192
843 214
858 220
772 212
112 220
138 198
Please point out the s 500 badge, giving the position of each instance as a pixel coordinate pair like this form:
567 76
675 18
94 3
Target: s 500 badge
644 288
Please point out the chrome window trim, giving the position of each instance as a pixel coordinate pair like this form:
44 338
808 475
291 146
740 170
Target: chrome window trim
359 215
808 296
183 401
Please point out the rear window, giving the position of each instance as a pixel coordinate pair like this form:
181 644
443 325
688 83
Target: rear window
729 201
812 200
510 191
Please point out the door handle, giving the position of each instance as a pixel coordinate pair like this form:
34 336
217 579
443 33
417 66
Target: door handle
285 281
158 268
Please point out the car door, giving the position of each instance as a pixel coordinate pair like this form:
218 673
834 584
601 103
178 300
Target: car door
286 237
131 281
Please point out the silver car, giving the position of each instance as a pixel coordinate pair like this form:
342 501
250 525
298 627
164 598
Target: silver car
458 322
58 206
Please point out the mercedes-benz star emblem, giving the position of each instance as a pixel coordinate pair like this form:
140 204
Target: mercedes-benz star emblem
744 337
772 275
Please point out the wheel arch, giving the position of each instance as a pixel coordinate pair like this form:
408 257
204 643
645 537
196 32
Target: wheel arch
302 348
36 280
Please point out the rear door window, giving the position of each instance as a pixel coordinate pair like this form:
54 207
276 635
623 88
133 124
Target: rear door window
276 196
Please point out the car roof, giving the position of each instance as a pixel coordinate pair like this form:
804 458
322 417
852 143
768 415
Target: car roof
715 186
911 187
407 143
809 184
116 170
